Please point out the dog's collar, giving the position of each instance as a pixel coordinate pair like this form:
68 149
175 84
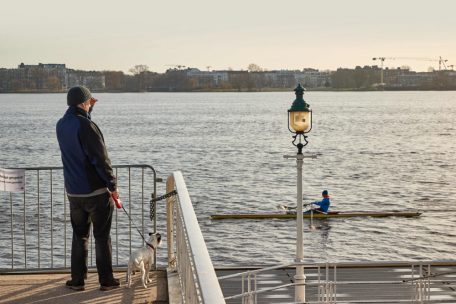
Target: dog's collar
150 245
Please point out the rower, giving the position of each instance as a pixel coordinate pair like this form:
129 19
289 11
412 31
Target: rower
324 203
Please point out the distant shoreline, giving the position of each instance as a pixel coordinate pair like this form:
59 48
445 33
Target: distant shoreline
267 90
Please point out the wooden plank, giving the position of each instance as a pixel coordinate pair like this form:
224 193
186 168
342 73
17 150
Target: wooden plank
50 288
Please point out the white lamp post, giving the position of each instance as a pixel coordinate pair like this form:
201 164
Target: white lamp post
299 123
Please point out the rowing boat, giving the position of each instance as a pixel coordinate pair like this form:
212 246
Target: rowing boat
331 214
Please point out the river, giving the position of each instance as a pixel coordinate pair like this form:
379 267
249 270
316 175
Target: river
376 151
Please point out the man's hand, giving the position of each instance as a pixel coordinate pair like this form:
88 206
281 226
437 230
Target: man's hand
115 198
93 101
115 194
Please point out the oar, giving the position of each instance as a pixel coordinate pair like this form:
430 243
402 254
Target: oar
287 208
311 227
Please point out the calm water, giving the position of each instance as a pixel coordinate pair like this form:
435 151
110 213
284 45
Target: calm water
377 151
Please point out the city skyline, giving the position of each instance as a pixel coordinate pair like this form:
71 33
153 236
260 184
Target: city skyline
291 35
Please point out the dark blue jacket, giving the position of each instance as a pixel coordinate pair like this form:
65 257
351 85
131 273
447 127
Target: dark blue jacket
324 204
86 165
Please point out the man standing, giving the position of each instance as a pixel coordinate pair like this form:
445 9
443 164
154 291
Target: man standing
89 182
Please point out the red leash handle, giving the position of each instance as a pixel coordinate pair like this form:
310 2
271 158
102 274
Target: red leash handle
116 201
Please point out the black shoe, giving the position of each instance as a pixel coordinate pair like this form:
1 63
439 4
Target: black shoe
76 286
114 283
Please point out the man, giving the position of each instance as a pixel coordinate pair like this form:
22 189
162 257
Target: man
323 204
89 182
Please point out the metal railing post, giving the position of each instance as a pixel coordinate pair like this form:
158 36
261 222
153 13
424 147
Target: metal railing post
170 184
25 235
65 223
52 223
12 233
39 226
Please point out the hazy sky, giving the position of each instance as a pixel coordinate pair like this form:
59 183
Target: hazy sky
286 34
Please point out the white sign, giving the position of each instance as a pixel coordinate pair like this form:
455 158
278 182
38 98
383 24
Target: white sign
12 180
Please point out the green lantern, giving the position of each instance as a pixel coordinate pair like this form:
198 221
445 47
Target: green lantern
299 115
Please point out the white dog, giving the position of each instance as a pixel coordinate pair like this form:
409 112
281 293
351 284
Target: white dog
143 259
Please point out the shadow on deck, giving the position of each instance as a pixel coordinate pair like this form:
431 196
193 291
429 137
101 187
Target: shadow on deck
50 288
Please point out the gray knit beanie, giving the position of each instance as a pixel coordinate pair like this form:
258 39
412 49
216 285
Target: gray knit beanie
77 95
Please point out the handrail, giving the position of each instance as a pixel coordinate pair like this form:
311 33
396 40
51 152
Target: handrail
345 265
420 281
191 258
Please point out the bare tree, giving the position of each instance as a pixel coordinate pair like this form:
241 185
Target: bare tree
138 69
254 68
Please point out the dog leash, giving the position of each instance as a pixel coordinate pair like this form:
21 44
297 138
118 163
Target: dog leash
119 205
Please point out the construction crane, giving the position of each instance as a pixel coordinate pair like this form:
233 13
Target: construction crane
442 62
176 66
382 59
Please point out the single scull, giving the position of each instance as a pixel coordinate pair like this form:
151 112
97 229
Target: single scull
331 214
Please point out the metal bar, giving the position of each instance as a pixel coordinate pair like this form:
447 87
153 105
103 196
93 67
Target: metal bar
256 294
25 235
244 293
154 195
155 203
117 229
12 233
242 289
170 203
258 271
142 200
429 283
57 167
91 245
335 283
413 282
52 225
129 203
318 282
64 228
38 198
325 285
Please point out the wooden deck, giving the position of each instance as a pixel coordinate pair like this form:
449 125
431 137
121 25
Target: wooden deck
50 288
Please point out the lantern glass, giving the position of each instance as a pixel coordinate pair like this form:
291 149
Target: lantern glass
300 121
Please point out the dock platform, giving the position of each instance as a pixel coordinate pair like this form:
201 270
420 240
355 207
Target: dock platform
380 285
27 288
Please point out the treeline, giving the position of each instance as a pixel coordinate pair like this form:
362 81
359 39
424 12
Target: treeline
57 78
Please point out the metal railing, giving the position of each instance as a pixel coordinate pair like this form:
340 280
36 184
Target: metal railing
418 283
39 231
187 251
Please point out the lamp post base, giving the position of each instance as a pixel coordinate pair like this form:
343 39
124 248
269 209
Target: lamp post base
300 281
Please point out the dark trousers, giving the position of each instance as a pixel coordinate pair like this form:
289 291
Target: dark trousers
84 211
